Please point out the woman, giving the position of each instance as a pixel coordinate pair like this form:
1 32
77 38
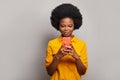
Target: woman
66 62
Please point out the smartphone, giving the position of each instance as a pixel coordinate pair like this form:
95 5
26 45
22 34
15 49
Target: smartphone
66 41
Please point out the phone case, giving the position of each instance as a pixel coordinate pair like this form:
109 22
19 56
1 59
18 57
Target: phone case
66 41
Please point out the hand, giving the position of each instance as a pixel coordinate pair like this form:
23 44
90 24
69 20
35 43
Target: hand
72 51
62 51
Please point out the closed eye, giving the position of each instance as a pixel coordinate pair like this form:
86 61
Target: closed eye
62 26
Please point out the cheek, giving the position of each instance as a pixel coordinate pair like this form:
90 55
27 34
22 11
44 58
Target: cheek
71 29
61 29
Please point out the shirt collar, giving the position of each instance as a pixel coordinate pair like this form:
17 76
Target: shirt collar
73 38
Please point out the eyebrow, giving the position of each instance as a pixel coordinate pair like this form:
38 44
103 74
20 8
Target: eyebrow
65 24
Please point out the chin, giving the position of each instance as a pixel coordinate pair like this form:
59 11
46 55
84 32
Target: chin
66 35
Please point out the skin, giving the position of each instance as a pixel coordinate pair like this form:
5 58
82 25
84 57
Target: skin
66 28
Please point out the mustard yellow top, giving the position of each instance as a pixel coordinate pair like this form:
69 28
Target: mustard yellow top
66 69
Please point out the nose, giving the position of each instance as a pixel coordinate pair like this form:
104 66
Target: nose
66 28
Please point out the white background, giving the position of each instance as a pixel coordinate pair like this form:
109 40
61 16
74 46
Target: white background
25 29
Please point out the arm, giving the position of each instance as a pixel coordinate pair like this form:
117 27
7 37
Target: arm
80 67
79 64
53 66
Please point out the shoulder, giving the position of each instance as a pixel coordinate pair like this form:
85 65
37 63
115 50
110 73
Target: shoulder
53 41
80 41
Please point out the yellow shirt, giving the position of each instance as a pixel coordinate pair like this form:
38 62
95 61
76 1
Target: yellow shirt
66 69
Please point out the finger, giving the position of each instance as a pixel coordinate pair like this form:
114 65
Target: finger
62 50
68 46
67 50
63 44
71 45
64 54
70 53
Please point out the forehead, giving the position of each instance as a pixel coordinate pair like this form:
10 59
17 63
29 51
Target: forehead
66 20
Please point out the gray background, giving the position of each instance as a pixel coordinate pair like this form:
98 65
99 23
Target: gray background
25 30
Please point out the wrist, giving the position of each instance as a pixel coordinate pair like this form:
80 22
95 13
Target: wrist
77 58
57 57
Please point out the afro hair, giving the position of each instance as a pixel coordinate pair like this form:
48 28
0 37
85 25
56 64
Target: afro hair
66 10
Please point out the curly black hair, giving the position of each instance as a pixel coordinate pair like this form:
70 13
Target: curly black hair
66 10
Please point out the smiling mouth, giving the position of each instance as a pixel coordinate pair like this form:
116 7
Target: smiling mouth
66 33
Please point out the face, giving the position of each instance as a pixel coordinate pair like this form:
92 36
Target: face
66 27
